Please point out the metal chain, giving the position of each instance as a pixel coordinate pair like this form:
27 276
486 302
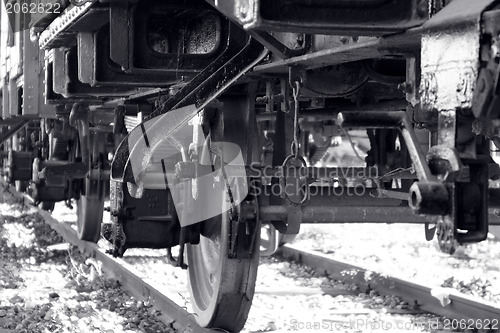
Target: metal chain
294 154
295 143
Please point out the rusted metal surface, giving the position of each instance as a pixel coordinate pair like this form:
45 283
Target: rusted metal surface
449 78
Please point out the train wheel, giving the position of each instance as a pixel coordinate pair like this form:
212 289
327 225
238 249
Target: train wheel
221 288
90 205
222 285
89 210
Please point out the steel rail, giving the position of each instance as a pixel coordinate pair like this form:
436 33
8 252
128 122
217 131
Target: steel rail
460 307
172 313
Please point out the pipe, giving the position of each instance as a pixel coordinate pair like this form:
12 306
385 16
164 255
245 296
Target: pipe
350 214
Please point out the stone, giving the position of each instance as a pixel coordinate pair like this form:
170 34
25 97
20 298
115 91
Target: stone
16 299
53 295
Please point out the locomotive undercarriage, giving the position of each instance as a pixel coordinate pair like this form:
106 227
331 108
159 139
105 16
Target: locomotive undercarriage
141 103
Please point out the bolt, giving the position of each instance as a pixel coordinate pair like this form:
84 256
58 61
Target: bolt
344 39
244 8
406 87
422 9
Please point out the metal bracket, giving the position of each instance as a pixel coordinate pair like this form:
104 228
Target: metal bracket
445 162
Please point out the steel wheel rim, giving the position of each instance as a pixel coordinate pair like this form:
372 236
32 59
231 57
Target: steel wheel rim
90 205
223 301
89 213
205 269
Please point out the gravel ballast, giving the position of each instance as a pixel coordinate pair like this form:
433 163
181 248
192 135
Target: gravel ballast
47 286
400 250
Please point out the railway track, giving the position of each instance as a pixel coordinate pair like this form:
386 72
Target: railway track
174 315
444 302
178 317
